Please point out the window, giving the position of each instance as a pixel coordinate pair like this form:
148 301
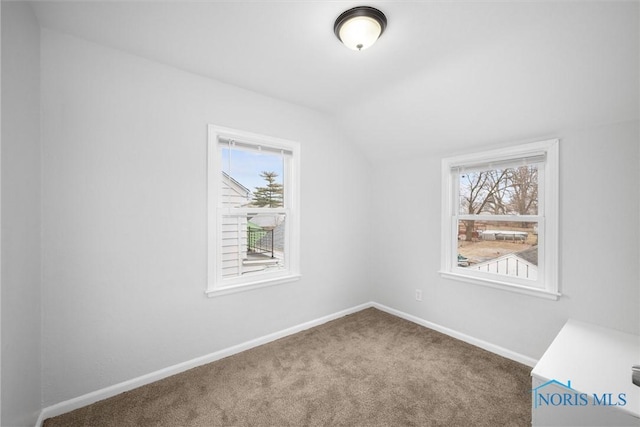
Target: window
500 218
253 210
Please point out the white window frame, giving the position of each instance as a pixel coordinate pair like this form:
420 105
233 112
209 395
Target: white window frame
546 285
216 284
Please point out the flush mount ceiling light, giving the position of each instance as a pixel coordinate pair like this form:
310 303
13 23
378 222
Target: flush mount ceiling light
360 27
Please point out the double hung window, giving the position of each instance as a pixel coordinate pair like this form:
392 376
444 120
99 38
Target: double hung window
253 211
500 220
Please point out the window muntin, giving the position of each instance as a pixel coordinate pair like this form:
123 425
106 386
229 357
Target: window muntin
253 211
497 208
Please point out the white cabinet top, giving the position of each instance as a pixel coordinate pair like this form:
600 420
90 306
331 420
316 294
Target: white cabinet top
595 360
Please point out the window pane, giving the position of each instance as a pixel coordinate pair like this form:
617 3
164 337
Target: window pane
499 247
252 178
252 243
508 191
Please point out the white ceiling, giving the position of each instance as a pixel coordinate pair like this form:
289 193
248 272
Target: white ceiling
444 75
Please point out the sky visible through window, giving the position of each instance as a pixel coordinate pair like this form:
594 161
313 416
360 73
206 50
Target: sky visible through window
246 166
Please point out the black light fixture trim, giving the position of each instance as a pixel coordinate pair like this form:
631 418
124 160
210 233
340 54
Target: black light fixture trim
367 11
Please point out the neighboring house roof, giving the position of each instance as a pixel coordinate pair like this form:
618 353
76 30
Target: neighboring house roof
503 257
530 255
235 185
509 264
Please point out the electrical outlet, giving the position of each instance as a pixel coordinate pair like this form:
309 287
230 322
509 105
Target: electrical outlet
418 295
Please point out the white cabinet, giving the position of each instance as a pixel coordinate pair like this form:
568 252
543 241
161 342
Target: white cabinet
584 379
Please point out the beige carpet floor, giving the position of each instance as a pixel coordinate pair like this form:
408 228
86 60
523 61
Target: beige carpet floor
366 369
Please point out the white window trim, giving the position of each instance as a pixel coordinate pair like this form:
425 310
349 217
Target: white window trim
548 250
216 286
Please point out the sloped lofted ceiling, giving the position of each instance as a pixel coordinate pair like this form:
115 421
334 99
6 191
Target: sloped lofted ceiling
443 77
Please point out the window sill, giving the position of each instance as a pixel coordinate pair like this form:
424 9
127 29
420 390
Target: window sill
540 293
257 284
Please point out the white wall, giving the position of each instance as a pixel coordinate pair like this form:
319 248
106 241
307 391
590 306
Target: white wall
124 218
21 377
0 218
599 246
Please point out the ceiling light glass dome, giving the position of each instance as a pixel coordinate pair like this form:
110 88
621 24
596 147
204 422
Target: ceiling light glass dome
360 27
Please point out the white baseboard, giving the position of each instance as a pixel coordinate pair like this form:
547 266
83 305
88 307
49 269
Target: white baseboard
107 392
501 351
